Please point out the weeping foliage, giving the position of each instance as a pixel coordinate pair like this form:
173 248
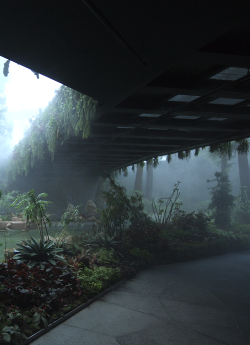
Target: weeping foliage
169 158
70 113
243 146
223 149
197 150
181 155
227 148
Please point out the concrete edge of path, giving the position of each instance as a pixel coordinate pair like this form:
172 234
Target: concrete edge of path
71 313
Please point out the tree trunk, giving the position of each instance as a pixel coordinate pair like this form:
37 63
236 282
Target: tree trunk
244 172
138 178
224 160
149 183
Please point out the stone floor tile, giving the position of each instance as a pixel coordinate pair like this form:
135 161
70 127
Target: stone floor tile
192 294
227 335
112 320
166 334
68 335
148 305
190 313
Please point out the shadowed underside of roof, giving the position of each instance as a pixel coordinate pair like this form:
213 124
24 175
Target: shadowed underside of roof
168 76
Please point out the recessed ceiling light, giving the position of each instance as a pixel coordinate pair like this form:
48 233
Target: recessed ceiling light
159 129
227 101
187 117
124 127
150 115
183 98
231 73
217 118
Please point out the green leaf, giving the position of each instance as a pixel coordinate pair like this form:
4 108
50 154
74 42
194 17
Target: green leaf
45 322
52 262
6 338
36 318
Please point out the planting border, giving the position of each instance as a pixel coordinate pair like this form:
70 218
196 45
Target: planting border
233 245
188 252
71 313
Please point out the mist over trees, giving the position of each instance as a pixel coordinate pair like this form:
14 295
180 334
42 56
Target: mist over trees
193 174
6 129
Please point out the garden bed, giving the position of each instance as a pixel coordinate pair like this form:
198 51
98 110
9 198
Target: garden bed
192 251
66 300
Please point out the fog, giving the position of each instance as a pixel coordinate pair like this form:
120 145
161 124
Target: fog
193 174
22 96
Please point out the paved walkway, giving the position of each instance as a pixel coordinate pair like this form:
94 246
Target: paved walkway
198 302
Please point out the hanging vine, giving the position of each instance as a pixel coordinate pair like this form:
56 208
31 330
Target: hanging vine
70 113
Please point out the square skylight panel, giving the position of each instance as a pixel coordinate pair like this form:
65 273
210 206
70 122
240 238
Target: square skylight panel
124 127
227 101
231 73
150 115
187 117
159 129
217 118
183 98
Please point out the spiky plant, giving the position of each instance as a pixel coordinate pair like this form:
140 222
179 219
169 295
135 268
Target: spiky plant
36 252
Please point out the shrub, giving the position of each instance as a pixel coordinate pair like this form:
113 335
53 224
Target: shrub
222 200
191 222
120 210
241 212
104 242
36 286
142 254
106 257
99 278
139 234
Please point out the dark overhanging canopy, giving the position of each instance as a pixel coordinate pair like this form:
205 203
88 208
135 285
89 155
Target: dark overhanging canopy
169 76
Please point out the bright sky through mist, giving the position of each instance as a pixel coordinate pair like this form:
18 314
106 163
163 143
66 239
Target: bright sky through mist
25 94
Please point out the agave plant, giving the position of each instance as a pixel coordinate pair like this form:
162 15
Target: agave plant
104 241
35 252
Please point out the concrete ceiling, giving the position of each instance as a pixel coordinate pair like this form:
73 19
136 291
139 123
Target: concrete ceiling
169 76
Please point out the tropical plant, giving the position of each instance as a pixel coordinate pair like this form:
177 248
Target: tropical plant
222 200
164 215
98 278
191 222
106 257
67 218
34 209
241 212
35 253
40 316
5 202
142 254
120 210
12 335
103 241
37 286
139 235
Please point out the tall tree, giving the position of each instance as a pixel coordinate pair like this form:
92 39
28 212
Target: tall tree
244 172
149 182
138 178
224 160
